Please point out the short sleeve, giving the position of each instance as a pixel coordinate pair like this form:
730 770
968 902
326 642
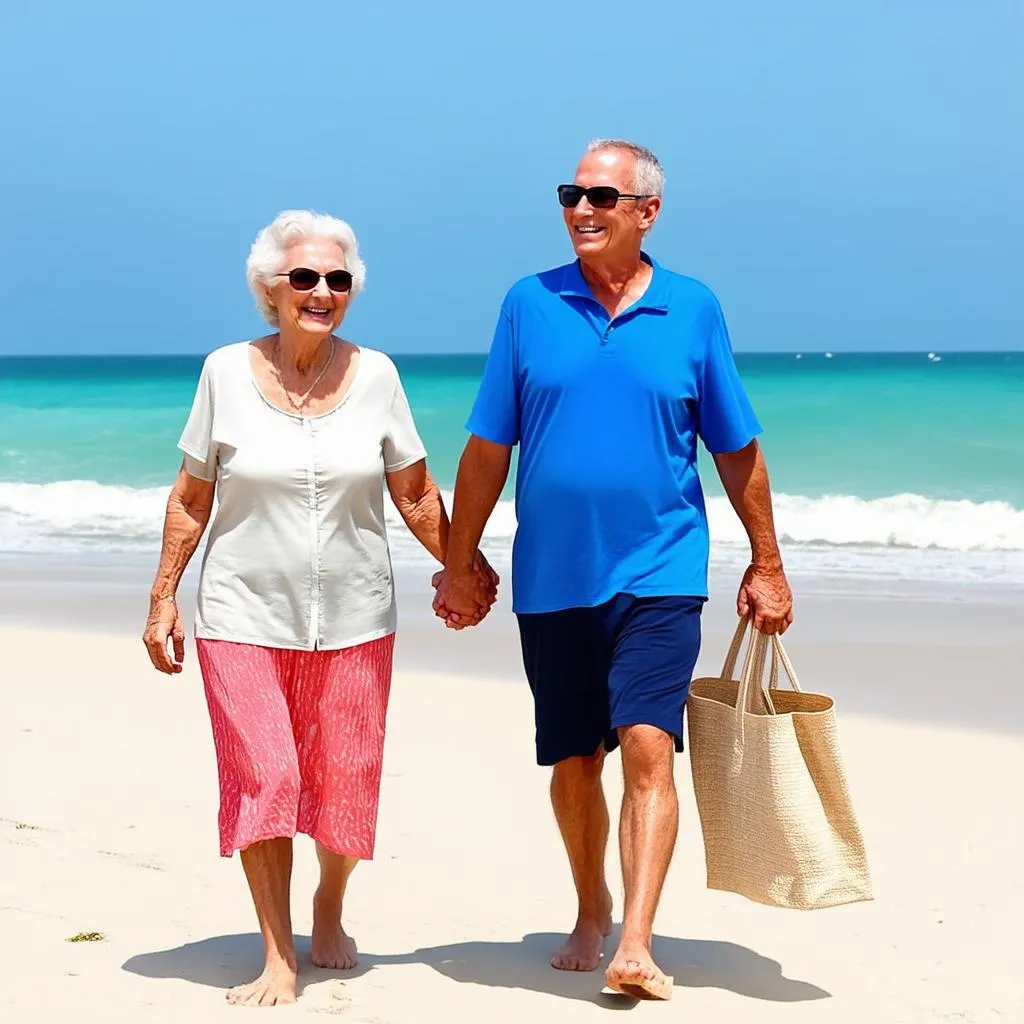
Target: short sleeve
495 413
402 444
725 417
196 439
201 470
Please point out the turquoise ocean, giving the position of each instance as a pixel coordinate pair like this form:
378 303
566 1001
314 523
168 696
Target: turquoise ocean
882 465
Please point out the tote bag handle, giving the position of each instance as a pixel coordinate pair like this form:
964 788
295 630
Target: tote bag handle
751 677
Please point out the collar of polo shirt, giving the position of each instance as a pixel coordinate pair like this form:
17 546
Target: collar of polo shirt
655 299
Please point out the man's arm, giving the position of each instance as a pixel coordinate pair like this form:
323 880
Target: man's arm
764 591
483 470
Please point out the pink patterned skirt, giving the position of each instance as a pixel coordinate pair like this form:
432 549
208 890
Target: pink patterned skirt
299 737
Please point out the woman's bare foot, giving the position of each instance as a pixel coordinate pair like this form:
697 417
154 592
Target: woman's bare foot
274 987
582 950
634 973
332 948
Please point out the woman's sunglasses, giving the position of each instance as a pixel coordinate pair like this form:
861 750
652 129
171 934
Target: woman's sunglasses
601 197
302 279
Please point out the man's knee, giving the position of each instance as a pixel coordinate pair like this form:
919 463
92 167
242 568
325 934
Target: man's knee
648 755
580 771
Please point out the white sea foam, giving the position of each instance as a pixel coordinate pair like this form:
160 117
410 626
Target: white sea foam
834 534
79 515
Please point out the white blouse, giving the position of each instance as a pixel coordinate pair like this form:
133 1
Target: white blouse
297 555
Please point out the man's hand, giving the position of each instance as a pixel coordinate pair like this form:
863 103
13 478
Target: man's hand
765 597
463 599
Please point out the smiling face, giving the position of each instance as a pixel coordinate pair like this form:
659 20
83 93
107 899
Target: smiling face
615 234
316 312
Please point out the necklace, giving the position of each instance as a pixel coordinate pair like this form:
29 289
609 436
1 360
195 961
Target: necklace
304 398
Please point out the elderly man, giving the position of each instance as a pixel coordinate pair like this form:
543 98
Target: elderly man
606 371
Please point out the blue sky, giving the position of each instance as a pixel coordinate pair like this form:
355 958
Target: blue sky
843 175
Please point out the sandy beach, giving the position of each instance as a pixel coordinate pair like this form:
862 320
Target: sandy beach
108 807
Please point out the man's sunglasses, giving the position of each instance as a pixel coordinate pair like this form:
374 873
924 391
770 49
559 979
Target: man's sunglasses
302 279
601 197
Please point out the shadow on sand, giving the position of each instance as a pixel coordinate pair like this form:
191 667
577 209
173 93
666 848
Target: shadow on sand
228 960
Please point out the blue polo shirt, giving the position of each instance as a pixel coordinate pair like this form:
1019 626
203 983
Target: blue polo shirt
607 414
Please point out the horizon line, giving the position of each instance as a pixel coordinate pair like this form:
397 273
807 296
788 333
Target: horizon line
483 352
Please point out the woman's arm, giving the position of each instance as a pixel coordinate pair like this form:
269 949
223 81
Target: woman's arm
418 501
188 512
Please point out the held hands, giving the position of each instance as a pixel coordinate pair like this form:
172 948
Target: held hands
765 598
464 598
164 622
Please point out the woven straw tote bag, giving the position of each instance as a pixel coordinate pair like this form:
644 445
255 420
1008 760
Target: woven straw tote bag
775 811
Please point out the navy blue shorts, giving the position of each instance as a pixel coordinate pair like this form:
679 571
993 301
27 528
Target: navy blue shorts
592 671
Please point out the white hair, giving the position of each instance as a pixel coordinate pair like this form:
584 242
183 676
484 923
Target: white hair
650 178
266 257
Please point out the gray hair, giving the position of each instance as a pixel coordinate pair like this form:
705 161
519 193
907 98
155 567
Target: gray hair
266 257
650 178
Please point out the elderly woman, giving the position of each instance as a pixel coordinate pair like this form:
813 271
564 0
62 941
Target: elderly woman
296 434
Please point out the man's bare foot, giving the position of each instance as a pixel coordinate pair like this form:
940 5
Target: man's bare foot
274 987
582 950
332 948
634 973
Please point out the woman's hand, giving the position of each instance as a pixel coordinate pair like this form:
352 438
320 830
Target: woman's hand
464 599
164 621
